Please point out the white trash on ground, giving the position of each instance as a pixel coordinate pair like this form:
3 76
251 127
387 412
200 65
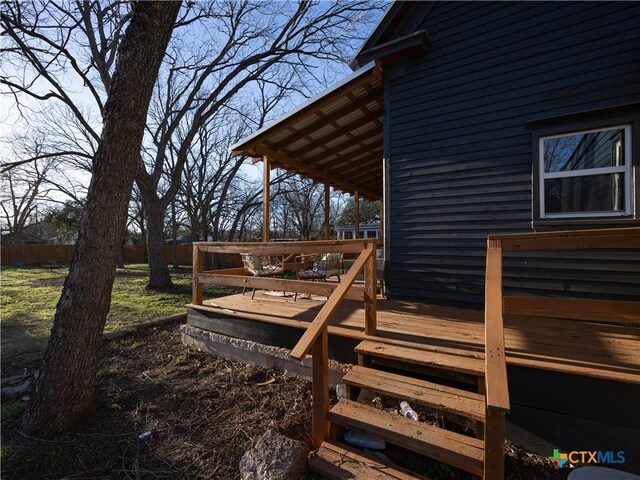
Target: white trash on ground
408 412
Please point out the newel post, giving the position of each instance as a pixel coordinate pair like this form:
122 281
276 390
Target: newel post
494 434
197 269
370 291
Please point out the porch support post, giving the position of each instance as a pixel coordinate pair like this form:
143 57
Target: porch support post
320 388
381 234
266 185
327 229
370 291
356 212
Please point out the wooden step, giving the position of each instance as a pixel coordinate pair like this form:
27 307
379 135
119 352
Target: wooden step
433 395
431 358
337 461
461 451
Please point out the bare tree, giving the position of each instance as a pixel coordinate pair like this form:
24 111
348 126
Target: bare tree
65 389
219 52
57 66
24 188
306 206
369 212
249 42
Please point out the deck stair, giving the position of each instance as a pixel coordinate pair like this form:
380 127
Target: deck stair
448 359
458 450
341 462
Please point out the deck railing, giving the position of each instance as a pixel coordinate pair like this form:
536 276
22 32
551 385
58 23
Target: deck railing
497 305
315 340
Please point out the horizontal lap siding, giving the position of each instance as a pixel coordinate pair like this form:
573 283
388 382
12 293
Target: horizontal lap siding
460 156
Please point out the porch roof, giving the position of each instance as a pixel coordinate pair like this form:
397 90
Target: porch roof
334 138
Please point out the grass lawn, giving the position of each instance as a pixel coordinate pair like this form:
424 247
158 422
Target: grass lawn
29 296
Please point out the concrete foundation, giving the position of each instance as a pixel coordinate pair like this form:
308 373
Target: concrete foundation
254 353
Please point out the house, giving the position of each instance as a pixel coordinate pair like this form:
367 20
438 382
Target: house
364 230
476 119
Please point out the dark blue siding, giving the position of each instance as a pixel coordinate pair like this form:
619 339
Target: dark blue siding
459 154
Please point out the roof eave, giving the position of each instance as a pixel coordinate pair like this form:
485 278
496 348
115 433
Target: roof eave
389 21
241 147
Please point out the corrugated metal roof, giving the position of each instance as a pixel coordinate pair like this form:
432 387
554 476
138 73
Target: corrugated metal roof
335 137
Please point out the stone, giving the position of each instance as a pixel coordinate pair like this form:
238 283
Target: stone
275 457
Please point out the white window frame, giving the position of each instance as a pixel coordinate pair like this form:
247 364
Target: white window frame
626 169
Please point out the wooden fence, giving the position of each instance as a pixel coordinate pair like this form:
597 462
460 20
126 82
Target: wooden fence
46 254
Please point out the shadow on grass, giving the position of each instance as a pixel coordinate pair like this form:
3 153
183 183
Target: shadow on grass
23 344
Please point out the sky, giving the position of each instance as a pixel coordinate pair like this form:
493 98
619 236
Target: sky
11 121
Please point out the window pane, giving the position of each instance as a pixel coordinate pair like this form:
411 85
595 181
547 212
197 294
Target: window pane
584 150
592 193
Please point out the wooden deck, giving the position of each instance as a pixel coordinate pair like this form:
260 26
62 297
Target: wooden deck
545 343
564 335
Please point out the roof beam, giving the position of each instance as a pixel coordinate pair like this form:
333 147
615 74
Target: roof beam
343 160
330 117
364 163
246 147
340 149
350 142
313 171
340 131
362 166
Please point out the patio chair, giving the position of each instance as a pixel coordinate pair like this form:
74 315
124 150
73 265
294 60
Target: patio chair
256 267
329 265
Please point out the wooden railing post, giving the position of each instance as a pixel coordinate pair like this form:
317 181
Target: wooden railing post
496 387
494 436
370 291
197 269
320 388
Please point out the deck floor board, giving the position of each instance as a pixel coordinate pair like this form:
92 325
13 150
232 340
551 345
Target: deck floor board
584 348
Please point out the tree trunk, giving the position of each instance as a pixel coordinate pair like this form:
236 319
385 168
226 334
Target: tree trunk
120 258
65 390
159 276
174 236
143 235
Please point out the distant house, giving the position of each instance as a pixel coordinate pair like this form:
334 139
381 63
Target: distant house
367 230
39 233
22 238
183 239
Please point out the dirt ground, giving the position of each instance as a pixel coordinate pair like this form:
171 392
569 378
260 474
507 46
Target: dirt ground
203 413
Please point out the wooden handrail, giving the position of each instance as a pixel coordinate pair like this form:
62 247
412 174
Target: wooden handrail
496 387
285 248
226 271
322 318
615 311
280 284
571 239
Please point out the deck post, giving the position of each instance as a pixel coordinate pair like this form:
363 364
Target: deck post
496 387
320 388
370 291
327 229
381 234
356 213
266 184
197 290
494 444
